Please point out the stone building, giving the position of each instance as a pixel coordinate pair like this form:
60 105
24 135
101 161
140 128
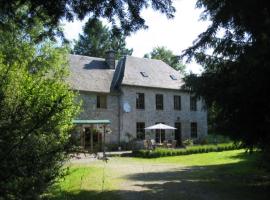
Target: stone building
134 93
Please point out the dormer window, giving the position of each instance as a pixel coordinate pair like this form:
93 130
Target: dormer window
144 74
173 77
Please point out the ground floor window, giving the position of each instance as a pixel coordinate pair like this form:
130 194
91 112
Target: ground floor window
193 128
140 130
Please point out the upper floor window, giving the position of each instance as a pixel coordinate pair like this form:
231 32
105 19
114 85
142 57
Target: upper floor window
140 131
140 100
193 130
173 77
101 101
177 102
159 101
144 74
193 103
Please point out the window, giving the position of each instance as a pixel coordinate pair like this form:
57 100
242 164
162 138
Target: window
101 101
144 74
140 130
193 129
193 103
159 101
140 100
177 102
173 77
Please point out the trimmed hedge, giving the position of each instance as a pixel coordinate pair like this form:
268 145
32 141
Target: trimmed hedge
162 152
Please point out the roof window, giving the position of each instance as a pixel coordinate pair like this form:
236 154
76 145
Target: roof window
144 74
173 77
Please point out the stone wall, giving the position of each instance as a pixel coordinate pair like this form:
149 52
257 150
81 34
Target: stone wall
168 115
127 122
91 112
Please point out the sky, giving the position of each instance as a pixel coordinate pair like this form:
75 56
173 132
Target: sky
176 34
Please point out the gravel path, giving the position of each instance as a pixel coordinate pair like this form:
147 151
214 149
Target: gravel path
146 180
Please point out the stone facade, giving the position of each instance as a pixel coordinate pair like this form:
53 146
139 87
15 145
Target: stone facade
90 111
150 115
123 123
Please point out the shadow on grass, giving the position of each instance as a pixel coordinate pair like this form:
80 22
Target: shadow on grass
240 180
235 181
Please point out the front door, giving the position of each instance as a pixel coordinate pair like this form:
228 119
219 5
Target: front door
92 140
87 138
178 133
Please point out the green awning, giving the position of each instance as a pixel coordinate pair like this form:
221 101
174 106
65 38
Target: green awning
102 121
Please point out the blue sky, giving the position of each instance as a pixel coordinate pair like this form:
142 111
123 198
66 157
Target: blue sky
176 34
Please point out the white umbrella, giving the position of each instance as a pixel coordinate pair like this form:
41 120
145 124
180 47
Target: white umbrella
160 127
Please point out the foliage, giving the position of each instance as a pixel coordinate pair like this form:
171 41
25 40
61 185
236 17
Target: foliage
36 112
188 142
236 75
126 14
161 152
97 39
167 56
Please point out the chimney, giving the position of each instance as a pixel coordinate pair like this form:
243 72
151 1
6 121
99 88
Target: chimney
110 59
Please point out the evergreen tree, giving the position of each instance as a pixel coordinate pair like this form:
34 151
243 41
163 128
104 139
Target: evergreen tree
236 75
125 15
97 39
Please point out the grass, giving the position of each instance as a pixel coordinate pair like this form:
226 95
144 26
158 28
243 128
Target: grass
216 175
84 182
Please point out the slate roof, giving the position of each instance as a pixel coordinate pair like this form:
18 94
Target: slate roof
157 71
92 74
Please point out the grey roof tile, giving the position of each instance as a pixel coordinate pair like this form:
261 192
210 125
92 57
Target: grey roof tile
157 71
90 74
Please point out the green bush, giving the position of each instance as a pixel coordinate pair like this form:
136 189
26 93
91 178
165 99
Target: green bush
188 142
162 152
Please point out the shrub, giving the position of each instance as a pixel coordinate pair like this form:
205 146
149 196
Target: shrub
188 142
161 152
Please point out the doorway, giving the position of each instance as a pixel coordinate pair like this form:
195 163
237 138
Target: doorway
92 139
178 133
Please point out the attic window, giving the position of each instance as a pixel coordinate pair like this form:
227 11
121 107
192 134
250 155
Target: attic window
173 77
144 74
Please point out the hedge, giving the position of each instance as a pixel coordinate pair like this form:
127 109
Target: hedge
162 152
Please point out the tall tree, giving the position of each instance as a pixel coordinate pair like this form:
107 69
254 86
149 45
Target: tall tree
97 39
126 13
167 56
36 111
236 75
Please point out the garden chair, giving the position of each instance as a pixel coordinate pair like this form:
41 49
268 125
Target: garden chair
153 143
145 144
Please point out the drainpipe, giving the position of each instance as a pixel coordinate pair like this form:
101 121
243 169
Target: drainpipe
119 117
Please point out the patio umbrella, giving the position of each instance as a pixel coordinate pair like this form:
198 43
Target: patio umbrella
160 127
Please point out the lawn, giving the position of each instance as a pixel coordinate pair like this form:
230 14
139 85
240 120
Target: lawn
216 175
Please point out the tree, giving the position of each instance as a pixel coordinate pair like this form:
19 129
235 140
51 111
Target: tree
36 112
97 39
236 75
126 13
167 56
